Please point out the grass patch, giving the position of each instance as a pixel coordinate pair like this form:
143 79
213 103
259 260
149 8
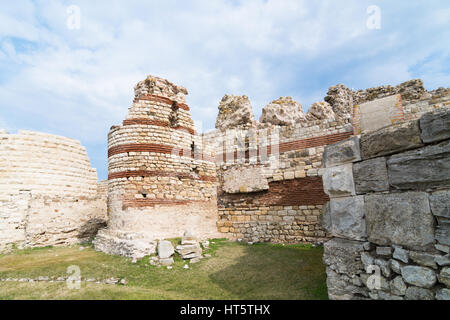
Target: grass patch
234 271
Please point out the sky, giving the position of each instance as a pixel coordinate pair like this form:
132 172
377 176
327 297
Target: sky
69 67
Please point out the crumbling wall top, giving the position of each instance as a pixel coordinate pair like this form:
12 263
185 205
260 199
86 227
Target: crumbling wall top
160 87
235 111
282 112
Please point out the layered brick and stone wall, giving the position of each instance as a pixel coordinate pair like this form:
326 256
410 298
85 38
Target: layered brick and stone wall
270 185
389 212
161 179
48 192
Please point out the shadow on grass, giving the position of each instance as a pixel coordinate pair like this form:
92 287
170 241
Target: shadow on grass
265 271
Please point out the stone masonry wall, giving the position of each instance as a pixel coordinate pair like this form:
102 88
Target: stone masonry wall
389 212
161 180
48 192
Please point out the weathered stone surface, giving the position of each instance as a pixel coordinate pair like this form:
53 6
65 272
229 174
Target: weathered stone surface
440 203
367 259
401 219
384 251
415 293
371 176
379 113
320 111
244 180
424 259
343 256
442 248
127 246
395 266
419 276
347 218
165 249
443 294
189 238
435 126
401 254
282 112
342 152
398 286
444 276
341 100
443 234
442 260
338 181
325 218
189 251
391 139
387 296
234 111
384 267
421 169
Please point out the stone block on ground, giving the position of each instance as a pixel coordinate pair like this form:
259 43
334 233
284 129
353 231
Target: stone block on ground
389 140
399 218
342 152
165 249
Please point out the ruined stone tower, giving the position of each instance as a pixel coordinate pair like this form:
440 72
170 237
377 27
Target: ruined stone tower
161 179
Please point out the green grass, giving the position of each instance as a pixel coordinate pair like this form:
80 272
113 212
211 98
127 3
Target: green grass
235 271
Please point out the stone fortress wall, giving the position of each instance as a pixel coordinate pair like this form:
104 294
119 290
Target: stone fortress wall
389 212
270 172
161 180
48 192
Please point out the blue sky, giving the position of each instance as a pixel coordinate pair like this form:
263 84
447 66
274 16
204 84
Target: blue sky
79 82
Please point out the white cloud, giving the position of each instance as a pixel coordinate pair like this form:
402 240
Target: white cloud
80 82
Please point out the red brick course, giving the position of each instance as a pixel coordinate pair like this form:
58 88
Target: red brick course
296 192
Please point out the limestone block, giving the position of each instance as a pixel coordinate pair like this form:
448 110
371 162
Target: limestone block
379 113
443 234
443 294
444 276
435 126
338 181
421 169
415 293
282 112
347 218
401 219
389 140
424 259
165 249
371 176
344 256
440 203
401 254
342 152
244 180
398 286
419 276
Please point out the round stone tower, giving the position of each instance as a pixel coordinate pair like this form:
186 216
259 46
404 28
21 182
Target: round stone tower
162 181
